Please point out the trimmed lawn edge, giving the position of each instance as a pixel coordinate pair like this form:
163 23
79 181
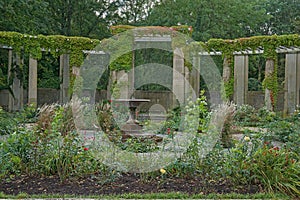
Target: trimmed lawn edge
175 195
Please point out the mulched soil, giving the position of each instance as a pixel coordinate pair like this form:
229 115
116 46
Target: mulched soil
125 183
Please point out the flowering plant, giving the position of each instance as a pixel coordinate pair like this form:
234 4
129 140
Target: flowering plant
278 169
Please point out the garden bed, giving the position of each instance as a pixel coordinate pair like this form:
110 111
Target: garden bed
125 183
53 158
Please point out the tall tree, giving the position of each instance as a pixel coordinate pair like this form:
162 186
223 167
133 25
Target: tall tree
24 16
89 18
81 17
284 17
210 18
134 11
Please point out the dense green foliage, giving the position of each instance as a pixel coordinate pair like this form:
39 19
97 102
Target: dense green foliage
90 18
210 19
53 147
70 18
284 17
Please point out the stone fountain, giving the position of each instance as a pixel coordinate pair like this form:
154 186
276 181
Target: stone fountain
132 126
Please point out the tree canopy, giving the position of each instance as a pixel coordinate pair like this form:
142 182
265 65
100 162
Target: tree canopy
209 18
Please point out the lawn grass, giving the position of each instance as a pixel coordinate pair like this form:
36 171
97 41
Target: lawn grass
175 195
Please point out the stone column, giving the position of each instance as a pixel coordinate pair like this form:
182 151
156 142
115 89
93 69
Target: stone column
178 77
292 82
298 80
187 84
10 96
32 82
123 85
226 73
130 76
17 87
270 63
195 75
64 74
119 85
240 79
226 70
112 79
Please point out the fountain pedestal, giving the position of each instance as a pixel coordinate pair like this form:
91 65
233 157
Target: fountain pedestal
132 127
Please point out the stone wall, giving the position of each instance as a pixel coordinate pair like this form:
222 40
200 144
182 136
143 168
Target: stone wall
163 98
44 96
256 99
4 99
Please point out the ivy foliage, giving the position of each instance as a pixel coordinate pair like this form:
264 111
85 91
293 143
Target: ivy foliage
56 44
185 29
268 43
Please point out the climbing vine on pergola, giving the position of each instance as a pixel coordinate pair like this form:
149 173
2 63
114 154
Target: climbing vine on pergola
269 46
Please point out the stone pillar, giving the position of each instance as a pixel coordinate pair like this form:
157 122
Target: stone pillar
187 84
292 82
226 73
130 76
178 77
64 74
195 75
119 85
17 87
32 82
270 63
226 70
240 79
10 96
112 79
298 80
123 86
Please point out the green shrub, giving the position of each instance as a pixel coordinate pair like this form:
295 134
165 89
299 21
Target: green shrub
27 115
253 161
213 163
247 115
277 169
8 124
51 148
59 116
173 121
285 131
16 153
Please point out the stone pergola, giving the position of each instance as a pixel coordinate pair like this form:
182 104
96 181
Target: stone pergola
291 89
181 75
15 101
241 62
292 77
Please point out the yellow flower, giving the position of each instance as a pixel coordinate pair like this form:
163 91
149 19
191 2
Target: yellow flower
246 139
162 171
